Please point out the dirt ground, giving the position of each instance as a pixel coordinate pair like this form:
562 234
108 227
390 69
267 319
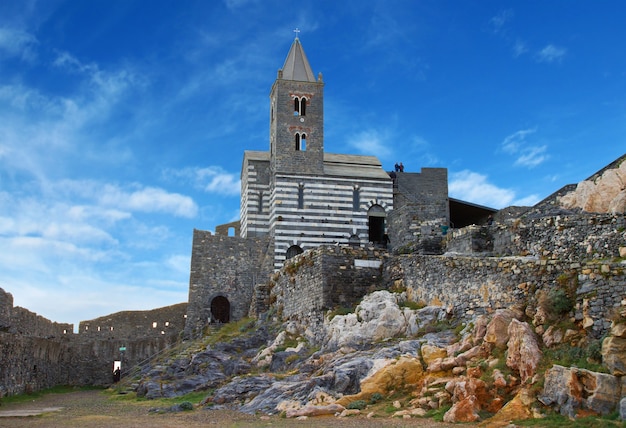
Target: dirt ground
96 409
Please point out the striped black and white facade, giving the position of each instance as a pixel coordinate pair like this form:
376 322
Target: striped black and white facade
297 194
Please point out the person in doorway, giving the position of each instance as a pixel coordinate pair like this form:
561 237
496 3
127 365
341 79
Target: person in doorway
117 375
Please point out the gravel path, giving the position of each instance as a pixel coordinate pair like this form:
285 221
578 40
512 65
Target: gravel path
95 409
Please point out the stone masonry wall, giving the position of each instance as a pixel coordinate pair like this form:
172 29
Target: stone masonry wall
166 321
420 209
224 266
36 353
477 285
325 278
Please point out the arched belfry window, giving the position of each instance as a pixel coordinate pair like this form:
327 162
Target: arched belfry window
299 106
300 142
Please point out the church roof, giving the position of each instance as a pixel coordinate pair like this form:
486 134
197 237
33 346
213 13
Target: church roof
358 166
336 165
296 65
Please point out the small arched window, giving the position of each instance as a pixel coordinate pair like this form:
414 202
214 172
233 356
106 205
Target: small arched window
300 140
260 202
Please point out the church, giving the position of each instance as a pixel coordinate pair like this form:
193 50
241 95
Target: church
296 197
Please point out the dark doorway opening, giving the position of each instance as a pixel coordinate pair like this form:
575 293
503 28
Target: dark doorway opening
376 222
220 308
293 251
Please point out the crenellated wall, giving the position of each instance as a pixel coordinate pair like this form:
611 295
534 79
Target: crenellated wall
36 353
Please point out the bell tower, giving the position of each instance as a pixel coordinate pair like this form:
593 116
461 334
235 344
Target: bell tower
297 117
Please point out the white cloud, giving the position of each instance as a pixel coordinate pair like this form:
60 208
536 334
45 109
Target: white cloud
473 187
551 53
148 199
371 142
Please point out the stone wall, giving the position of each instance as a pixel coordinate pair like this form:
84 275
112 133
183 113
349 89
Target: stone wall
36 353
420 209
468 286
325 278
166 321
227 267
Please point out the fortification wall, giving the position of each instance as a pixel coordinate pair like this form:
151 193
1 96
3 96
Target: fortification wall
166 321
325 278
420 209
478 285
36 353
223 266
18 320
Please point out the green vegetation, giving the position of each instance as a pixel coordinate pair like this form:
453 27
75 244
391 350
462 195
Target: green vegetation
412 305
557 420
376 397
588 357
358 404
63 389
437 414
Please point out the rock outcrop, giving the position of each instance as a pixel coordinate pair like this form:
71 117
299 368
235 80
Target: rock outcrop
605 193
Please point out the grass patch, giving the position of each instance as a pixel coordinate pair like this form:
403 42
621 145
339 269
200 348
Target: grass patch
557 420
437 414
62 389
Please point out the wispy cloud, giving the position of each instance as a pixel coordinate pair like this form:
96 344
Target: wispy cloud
551 53
527 154
499 22
18 43
212 179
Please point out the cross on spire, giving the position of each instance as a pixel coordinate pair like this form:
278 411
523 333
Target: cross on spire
297 31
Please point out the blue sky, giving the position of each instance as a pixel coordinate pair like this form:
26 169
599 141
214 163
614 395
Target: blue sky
123 123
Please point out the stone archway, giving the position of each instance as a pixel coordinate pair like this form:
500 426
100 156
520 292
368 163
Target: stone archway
376 223
293 251
220 309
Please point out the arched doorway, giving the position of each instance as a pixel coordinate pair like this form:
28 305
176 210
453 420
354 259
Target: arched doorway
220 309
293 251
376 222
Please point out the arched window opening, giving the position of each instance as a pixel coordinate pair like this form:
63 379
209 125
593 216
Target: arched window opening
301 196
299 106
220 309
231 231
303 106
293 251
376 224
300 140
260 210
